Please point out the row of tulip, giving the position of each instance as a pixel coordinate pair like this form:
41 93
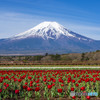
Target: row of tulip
47 84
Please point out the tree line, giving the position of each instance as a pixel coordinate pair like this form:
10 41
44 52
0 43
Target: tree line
71 58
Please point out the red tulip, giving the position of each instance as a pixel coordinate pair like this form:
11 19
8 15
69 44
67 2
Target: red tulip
37 84
88 97
73 97
37 89
16 91
44 79
45 83
7 85
73 81
54 80
15 79
9 79
79 81
4 83
37 81
44 76
0 90
24 87
60 90
60 80
49 86
53 84
72 89
31 82
82 88
1 80
28 89
19 80
29 77
62 84
77 85
26 83
31 85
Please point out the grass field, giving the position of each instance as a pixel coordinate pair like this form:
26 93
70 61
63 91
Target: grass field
31 69
49 65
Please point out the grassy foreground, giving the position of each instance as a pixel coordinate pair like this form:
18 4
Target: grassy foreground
49 65
31 69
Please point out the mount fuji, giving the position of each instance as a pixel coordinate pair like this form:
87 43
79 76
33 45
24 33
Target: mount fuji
47 37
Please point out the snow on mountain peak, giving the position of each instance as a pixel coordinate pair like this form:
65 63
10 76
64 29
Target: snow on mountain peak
46 24
48 30
45 30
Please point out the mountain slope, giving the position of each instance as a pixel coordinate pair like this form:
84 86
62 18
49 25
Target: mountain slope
48 37
47 30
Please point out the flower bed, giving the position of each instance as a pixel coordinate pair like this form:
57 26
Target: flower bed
48 84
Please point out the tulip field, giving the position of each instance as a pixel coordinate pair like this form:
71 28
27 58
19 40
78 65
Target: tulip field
56 84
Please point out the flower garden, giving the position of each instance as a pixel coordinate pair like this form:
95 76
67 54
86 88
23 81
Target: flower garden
48 84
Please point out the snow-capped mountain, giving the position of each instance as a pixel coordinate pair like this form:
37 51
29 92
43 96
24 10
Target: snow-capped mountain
48 37
48 30
45 30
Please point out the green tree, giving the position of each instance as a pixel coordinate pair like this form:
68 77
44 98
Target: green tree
87 58
82 56
46 54
38 58
98 51
56 57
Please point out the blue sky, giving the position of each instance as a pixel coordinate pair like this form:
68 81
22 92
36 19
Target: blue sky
81 16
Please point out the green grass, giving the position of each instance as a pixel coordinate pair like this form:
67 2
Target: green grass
47 65
53 69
